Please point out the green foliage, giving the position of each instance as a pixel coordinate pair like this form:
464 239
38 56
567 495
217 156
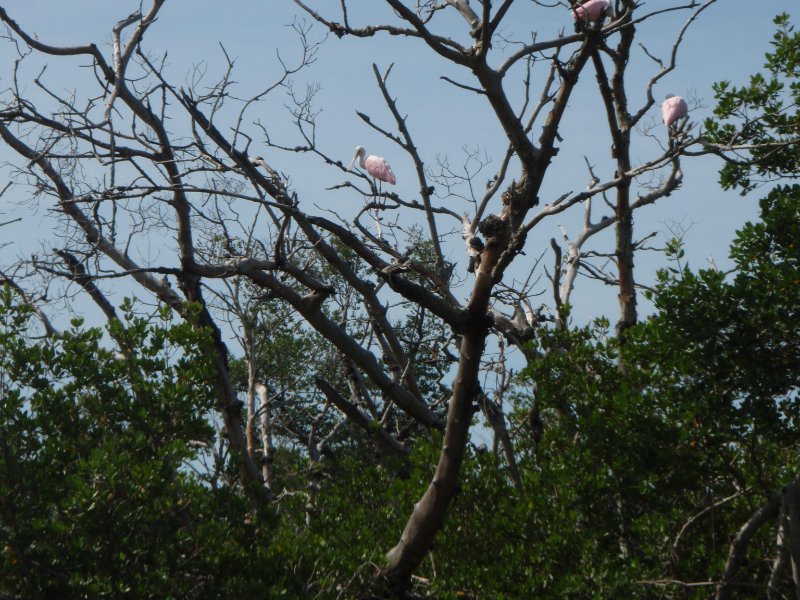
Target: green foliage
650 457
744 333
336 538
284 350
653 454
95 499
656 452
764 115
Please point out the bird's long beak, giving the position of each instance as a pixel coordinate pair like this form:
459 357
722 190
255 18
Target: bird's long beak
352 162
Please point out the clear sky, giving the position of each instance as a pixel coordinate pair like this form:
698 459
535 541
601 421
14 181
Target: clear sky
727 42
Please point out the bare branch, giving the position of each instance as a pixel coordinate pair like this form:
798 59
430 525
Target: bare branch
379 435
738 549
50 331
425 190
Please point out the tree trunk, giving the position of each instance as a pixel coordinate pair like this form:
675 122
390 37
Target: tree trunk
428 514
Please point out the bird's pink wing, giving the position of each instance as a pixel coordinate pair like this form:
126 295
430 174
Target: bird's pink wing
591 10
666 112
673 109
380 169
681 108
595 8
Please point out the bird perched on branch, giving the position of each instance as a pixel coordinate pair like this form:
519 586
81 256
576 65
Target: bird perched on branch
379 170
674 112
673 109
591 11
376 166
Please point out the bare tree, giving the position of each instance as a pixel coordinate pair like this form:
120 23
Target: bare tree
140 157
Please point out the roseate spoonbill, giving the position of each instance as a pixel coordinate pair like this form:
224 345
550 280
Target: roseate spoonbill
673 109
591 10
376 166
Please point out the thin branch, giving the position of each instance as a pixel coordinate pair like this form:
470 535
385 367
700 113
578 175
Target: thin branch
425 190
738 548
378 434
50 331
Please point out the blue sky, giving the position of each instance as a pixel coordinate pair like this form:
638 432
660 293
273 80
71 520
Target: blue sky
728 42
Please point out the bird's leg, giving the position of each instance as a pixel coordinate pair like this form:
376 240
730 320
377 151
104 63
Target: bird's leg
678 131
378 227
381 195
674 134
685 126
376 189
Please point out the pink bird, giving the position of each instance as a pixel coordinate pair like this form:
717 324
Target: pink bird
591 10
376 166
673 109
